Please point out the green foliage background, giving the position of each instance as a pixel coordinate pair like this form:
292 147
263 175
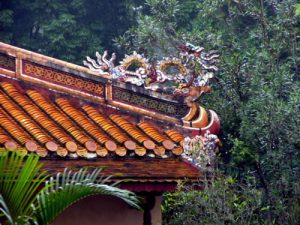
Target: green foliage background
65 29
256 91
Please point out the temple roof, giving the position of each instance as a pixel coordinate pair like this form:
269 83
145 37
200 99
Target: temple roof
72 117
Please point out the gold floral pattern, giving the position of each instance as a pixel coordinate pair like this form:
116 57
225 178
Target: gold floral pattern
62 78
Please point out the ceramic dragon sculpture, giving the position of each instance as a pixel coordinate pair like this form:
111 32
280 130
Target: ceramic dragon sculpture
188 75
194 68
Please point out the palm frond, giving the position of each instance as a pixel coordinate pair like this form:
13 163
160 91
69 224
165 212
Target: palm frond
67 188
5 211
19 182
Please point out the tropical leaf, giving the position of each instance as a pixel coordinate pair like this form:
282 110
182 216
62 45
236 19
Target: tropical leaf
298 9
23 201
68 188
5 211
20 180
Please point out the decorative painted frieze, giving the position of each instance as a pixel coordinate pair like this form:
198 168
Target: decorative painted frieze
147 102
62 78
7 62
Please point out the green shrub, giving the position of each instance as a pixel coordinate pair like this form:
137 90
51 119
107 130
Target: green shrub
225 201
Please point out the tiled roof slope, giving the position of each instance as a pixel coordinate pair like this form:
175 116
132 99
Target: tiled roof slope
60 128
81 82
67 114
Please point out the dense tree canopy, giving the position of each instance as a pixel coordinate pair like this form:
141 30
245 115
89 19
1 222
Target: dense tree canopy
256 91
65 29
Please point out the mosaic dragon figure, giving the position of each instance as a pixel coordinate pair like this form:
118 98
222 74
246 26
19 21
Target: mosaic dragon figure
187 75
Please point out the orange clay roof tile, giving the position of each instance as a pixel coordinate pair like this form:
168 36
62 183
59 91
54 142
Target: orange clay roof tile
60 128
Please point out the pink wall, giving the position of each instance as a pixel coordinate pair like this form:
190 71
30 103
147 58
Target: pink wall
156 212
100 210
